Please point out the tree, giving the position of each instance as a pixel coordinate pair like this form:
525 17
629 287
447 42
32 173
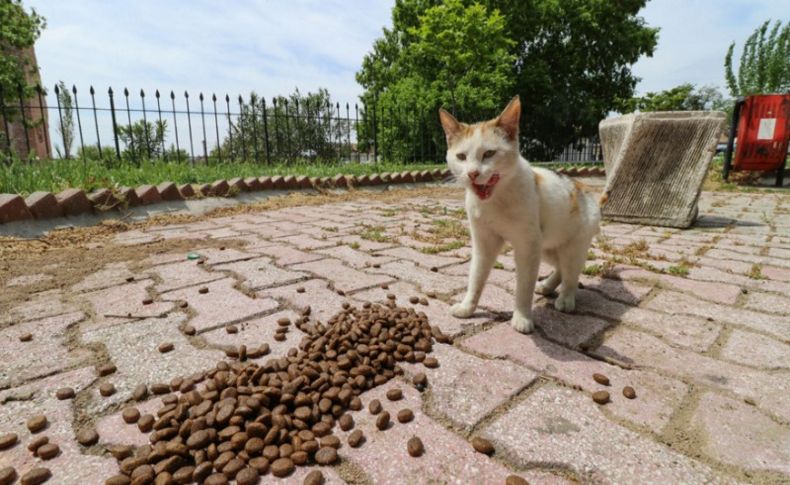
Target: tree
684 97
19 30
144 140
570 61
764 64
66 123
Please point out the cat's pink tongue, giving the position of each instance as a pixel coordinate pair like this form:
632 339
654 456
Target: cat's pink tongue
484 190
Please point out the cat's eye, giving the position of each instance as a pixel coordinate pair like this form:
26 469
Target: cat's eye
489 154
460 156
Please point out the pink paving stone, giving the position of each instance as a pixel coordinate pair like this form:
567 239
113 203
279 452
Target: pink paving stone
323 302
182 274
343 277
286 255
71 466
738 434
437 311
133 348
713 274
214 256
114 304
694 333
39 305
306 242
260 273
734 255
770 392
424 260
562 426
755 350
29 279
383 456
500 277
679 304
773 273
728 265
49 339
222 305
620 290
112 274
464 389
354 258
253 333
113 430
131 238
423 278
658 398
357 242
768 303
494 298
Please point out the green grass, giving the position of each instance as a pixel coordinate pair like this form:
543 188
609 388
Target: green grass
680 269
56 175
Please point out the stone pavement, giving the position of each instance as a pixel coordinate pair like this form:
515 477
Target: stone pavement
696 321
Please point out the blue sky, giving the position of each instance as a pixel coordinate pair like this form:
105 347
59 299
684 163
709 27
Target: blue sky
273 46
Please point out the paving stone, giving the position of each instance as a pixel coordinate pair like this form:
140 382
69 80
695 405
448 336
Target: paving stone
354 258
465 388
182 274
71 465
503 278
113 430
561 426
286 255
658 398
49 339
306 242
466 465
13 208
437 311
29 279
343 277
261 273
133 347
221 306
649 352
255 332
755 350
762 445
43 205
422 259
323 302
768 303
115 304
39 305
356 242
424 279
215 256
112 274
679 304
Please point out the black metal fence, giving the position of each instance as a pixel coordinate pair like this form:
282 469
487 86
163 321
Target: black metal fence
68 123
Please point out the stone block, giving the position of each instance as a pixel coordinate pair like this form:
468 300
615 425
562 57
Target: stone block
43 205
74 202
148 194
168 191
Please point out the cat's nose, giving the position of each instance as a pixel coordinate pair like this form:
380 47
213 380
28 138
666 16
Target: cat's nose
473 175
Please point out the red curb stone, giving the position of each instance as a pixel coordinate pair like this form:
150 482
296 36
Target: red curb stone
437 174
339 181
407 177
253 184
239 184
415 176
303 182
426 175
316 182
205 190
290 182
129 196
375 179
278 182
396 178
43 205
148 194
186 190
363 180
447 172
266 183
103 199
351 180
220 188
168 191
13 208
74 202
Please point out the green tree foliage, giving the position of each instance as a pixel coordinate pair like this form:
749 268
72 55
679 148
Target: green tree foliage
569 60
764 63
299 126
684 97
19 30
145 140
65 125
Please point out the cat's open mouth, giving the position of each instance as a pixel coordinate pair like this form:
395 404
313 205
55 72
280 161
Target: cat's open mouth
484 190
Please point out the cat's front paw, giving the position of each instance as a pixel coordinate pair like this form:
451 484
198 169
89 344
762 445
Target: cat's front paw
565 303
521 323
462 310
543 289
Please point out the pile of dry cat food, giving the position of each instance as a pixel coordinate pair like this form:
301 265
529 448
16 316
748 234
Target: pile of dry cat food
248 419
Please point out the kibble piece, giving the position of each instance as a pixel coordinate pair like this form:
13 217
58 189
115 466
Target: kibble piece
203 290
482 445
299 457
300 289
216 479
374 407
8 440
315 477
356 438
405 416
36 423
107 389
383 420
415 447
147 301
601 379
247 476
8 475
394 394
121 452
140 392
26 337
326 456
106 369
37 443
430 362
601 397
434 269
414 300
629 392
36 476
130 415
146 423
118 480
282 467
189 330
515 480
280 337
232 329
420 379
346 422
48 451
88 437
183 475
166 347
261 464
160 388
65 393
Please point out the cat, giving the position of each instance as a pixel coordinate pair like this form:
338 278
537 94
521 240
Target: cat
537 211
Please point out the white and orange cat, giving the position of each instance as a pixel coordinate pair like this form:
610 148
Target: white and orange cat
540 213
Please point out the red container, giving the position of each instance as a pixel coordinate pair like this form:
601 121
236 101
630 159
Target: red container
763 132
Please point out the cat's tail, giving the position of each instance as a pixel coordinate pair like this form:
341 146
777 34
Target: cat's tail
603 199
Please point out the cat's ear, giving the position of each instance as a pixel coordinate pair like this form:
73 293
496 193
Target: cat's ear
510 117
451 125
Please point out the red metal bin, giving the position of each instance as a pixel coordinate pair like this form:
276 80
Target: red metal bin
762 125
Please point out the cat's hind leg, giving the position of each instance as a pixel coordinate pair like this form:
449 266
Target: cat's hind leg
571 256
550 284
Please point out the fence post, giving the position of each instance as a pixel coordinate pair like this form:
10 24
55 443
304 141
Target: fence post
203 122
161 124
114 125
241 130
60 116
175 124
277 148
254 126
230 127
375 133
189 125
145 127
79 121
129 119
4 115
95 121
267 144
216 126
